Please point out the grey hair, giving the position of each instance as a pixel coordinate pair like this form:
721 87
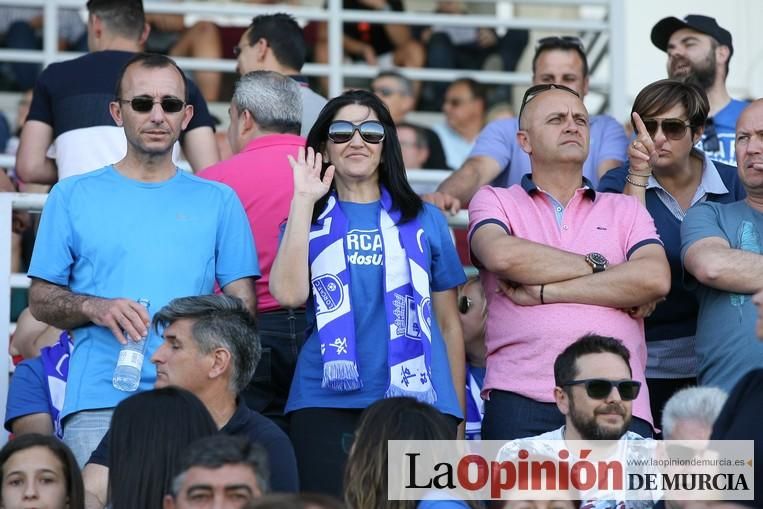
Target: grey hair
274 100
216 451
405 84
220 321
701 404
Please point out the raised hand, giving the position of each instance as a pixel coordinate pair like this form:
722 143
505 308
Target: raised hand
641 152
307 168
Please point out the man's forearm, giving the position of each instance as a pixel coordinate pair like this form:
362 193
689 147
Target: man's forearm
730 270
56 305
627 285
464 183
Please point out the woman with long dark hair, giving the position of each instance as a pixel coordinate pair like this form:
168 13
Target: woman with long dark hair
40 470
149 432
378 271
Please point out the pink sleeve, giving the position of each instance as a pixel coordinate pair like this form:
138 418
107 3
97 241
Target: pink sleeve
642 231
486 207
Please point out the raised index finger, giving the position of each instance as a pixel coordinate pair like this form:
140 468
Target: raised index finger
643 134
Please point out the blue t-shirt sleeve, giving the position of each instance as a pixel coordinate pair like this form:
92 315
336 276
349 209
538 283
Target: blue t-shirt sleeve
27 392
613 181
236 252
52 258
446 270
614 143
701 221
496 141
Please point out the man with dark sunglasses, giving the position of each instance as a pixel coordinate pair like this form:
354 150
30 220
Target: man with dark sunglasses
138 228
70 105
565 260
498 159
594 392
700 49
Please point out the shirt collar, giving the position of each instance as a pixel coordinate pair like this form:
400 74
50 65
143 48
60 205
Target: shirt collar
710 182
268 140
529 186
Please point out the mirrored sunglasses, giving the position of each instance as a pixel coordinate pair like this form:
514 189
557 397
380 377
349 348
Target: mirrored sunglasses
342 131
672 128
145 104
599 388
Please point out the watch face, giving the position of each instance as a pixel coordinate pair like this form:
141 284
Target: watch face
597 258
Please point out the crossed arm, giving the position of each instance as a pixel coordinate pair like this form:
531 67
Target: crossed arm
714 263
566 276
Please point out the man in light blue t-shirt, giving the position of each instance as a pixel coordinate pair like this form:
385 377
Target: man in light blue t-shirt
721 247
698 47
140 228
498 160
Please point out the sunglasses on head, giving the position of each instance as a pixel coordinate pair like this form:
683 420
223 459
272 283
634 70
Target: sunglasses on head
599 388
672 128
563 41
536 90
342 131
144 104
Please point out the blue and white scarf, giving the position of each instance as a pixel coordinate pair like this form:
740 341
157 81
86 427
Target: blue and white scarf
406 300
55 365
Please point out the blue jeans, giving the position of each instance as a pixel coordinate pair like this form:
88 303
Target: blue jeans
282 334
509 416
84 430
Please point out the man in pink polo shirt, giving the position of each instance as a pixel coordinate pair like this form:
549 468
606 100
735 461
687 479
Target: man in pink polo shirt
558 261
265 117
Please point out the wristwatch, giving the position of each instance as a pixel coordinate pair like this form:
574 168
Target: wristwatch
597 261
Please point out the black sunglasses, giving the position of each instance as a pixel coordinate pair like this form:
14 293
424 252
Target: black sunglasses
672 128
560 41
464 304
536 90
710 142
599 388
342 131
144 104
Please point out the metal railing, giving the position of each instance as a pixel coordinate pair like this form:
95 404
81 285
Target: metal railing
335 16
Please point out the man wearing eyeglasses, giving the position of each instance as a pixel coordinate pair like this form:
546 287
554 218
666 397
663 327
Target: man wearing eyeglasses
140 228
700 49
558 260
274 42
69 130
722 248
498 159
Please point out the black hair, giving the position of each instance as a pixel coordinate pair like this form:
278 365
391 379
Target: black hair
122 17
561 44
150 61
565 366
477 89
284 37
149 432
392 173
75 490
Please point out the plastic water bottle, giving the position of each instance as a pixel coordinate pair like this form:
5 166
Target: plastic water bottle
127 373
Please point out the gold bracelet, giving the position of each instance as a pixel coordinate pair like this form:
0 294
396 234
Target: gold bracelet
628 180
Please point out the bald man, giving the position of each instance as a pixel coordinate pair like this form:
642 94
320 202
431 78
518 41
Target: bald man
559 261
721 247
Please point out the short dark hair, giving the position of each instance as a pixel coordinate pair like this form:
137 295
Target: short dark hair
122 17
565 366
220 321
392 173
477 89
150 61
662 95
284 37
421 138
216 451
561 44
75 490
